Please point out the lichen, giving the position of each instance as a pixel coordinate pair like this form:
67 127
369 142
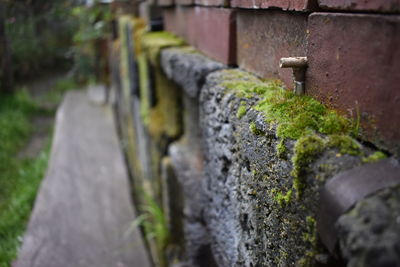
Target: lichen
310 237
378 155
253 128
281 198
242 110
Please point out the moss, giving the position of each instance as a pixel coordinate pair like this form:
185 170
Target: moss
281 148
378 155
345 144
253 128
283 199
242 110
300 118
153 42
310 236
306 148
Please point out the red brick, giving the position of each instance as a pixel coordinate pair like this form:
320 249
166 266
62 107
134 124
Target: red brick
211 30
361 5
177 21
265 37
293 5
354 63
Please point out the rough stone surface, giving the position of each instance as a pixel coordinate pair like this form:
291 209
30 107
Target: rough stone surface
83 214
211 30
361 5
187 68
354 73
370 232
243 174
264 38
290 5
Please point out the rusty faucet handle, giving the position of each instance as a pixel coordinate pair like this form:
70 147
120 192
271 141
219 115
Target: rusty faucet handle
299 66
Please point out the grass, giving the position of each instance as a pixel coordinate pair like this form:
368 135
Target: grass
19 178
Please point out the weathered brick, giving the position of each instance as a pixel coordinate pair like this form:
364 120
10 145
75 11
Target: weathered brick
293 5
210 30
353 67
361 5
265 37
177 21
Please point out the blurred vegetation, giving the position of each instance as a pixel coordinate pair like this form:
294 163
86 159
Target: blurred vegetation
19 178
39 34
43 35
90 42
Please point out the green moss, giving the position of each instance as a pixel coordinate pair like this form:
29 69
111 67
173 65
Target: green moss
310 236
242 110
306 148
301 118
283 199
253 128
153 42
345 144
378 155
281 148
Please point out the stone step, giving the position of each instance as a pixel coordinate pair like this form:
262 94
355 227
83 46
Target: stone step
83 214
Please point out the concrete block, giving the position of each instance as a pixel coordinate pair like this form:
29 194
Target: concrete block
353 67
265 37
290 5
392 6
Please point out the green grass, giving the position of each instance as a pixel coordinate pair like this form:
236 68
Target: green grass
19 178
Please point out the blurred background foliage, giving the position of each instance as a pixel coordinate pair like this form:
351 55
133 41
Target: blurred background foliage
45 35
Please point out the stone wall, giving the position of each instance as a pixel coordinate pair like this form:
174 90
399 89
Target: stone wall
243 171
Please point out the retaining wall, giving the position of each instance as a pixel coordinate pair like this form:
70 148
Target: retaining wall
245 172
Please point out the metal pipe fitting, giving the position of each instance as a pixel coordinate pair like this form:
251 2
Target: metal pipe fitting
299 66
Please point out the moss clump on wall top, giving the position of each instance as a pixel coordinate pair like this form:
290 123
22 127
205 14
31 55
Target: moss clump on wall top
294 115
301 118
153 42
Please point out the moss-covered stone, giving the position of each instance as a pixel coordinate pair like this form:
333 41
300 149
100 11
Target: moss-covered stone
241 110
376 156
153 42
306 148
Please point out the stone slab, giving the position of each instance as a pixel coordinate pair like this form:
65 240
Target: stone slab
264 38
287 5
83 213
187 68
392 6
357 73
